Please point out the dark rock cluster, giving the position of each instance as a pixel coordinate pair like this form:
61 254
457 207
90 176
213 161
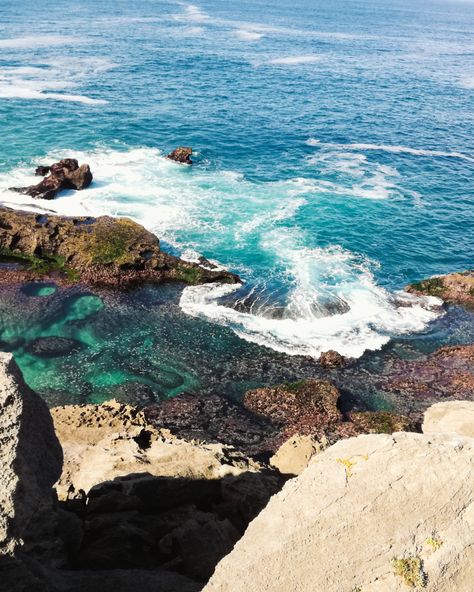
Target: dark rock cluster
65 174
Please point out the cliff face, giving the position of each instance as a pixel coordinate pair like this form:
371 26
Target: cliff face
371 514
103 251
30 459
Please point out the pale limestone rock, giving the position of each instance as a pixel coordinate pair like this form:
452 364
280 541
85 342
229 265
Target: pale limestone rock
294 455
103 442
359 505
30 460
450 417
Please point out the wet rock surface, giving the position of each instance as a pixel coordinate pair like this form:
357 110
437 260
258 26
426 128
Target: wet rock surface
52 347
454 288
65 174
182 154
104 251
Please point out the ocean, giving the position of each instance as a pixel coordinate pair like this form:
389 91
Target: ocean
333 164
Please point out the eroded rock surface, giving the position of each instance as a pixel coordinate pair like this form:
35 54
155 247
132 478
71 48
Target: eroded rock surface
182 155
65 174
373 513
450 417
103 251
454 288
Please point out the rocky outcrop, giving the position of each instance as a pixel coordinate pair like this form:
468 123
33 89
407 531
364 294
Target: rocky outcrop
30 460
181 155
446 373
294 455
310 407
450 417
372 514
147 499
65 174
454 288
101 251
103 442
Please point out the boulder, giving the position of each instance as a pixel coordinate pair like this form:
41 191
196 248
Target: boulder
454 288
30 463
181 154
372 513
332 359
450 417
65 174
294 455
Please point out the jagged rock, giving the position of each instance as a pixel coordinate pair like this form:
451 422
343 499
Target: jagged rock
103 442
372 513
450 417
182 155
454 288
65 174
52 347
30 463
294 455
107 251
332 359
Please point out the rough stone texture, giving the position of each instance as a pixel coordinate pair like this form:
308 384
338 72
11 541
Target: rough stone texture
360 505
102 251
294 455
448 373
30 461
450 417
65 174
332 359
454 288
182 155
310 407
102 442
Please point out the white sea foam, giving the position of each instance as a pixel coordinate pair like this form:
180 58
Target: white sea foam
39 41
296 60
327 298
247 35
192 13
393 149
467 82
33 82
334 303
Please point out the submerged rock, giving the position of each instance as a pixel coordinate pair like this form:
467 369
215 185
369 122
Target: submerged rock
454 288
182 155
65 174
52 347
373 513
103 251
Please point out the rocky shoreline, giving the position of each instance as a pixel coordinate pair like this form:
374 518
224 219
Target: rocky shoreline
97 497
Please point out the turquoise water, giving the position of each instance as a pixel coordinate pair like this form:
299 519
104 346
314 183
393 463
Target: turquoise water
334 150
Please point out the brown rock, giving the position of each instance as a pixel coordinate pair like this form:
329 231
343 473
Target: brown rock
106 251
331 359
454 288
182 155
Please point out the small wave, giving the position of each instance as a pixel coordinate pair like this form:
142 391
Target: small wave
247 35
392 149
38 41
296 60
192 13
334 303
467 82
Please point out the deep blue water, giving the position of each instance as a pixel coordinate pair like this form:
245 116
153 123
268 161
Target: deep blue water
334 147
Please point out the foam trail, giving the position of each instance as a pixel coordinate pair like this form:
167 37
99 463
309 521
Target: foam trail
392 149
247 35
38 41
293 60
